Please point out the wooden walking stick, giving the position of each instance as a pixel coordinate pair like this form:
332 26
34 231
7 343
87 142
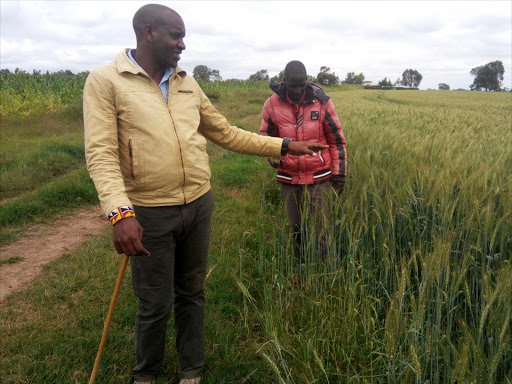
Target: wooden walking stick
109 317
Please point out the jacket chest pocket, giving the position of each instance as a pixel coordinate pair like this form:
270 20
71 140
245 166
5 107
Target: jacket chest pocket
185 109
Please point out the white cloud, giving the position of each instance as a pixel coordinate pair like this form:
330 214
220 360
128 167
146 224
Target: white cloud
442 40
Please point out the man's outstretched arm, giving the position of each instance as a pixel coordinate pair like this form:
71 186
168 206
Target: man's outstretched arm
216 128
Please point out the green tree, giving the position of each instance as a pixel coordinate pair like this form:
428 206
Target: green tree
385 82
215 75
312 79
202 72
443 87
261 75
278 78
488 76
359 79
326 77
67 72
411 78
349 79
352 78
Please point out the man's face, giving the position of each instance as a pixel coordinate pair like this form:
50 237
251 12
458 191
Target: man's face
296 84
168 43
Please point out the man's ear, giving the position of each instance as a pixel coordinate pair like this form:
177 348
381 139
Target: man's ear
149 33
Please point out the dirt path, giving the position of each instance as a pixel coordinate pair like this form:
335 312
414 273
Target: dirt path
29 256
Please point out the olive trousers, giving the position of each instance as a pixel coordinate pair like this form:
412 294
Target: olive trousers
178 238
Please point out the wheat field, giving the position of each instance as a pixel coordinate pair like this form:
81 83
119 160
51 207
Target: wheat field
418 283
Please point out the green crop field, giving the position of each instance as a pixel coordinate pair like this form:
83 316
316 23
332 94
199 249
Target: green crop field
417 287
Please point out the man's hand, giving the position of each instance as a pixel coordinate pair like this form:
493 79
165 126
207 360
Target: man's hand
128 236
274 163
338 184
299 148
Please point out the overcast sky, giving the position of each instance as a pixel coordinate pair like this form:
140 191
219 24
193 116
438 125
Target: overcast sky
442 40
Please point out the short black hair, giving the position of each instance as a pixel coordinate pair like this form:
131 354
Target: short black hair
295 67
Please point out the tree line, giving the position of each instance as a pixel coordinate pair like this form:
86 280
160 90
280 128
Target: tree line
488 77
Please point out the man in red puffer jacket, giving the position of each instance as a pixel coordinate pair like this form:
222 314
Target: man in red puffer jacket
301 111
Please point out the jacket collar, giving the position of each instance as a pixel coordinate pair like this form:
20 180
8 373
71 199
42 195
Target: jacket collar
312 91
124 64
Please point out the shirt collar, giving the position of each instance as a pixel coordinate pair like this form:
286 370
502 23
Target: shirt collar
167 73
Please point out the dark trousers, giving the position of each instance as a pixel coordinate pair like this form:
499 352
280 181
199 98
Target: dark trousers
178 239
307 200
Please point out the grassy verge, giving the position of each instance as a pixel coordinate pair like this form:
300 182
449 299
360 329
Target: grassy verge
43 172
36 150
65 193
51 330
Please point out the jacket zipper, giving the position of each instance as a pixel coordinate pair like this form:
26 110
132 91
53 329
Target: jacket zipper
170 115
177 137
297 134
130 152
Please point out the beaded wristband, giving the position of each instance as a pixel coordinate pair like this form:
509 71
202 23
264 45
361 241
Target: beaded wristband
120 213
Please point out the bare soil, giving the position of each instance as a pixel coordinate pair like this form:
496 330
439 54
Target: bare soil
44 244
253 117
235 193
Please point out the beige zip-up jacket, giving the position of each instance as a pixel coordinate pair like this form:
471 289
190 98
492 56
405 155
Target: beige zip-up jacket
143 151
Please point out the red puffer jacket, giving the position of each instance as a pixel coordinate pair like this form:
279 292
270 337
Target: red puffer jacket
315 121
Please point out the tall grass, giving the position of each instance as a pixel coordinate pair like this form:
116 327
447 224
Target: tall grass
418 283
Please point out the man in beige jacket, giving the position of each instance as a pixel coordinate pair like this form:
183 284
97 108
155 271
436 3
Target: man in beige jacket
146 125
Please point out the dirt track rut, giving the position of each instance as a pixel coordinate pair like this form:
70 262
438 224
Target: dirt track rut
44 244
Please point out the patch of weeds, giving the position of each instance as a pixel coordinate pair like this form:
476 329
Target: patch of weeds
256 101
238 171
213 95
77 152
74 110
272 194
69 191
11 260
10 234
25 172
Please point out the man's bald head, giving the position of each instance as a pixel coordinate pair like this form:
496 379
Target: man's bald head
154 15
160 32
295 79
295 69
